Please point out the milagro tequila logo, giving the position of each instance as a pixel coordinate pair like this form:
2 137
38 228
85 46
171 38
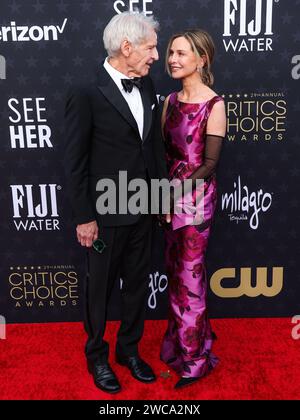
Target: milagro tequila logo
35 207
245 205
248 28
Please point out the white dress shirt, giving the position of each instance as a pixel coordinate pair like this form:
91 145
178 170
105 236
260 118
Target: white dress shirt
133 98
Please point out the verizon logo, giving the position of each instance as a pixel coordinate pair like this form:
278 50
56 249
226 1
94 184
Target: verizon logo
31 33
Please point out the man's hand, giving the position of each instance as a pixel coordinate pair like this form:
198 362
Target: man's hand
87 233
164 219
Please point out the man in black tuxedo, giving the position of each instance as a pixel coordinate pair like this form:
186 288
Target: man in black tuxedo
114 126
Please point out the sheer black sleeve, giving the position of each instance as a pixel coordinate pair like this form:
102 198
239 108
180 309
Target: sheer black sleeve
213 147
212 153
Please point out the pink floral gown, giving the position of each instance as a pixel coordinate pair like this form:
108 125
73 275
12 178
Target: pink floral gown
188 340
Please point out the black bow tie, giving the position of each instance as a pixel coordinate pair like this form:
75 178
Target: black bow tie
129 83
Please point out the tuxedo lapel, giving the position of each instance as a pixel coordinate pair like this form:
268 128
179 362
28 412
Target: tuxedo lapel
147 111
112 93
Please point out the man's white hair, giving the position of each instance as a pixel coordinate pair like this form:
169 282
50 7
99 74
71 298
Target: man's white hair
133 26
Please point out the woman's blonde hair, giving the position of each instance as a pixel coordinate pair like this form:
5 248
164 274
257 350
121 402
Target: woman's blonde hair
203 46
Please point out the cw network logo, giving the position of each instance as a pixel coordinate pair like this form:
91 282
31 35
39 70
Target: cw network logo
2 68
31 33
245 286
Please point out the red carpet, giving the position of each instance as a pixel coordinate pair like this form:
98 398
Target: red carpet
258 360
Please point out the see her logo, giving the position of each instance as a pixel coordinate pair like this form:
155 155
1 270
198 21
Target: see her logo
132 5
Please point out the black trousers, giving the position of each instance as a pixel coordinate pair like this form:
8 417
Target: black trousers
127 255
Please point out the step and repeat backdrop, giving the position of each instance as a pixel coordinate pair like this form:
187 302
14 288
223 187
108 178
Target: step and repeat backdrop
252 261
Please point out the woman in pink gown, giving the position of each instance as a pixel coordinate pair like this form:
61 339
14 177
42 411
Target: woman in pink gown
194 126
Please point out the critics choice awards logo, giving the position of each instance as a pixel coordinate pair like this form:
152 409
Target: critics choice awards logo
43 286
258 117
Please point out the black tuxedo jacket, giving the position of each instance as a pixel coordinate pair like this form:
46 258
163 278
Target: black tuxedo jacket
102 138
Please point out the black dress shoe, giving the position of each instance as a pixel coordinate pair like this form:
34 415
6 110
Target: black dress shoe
139 369
185 381
104 377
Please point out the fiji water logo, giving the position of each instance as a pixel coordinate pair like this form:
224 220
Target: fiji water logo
248 26
245 205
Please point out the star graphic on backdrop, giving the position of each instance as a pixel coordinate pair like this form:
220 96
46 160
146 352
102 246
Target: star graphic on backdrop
57 95
216 20
38 7
41 45
250 74
22 79
296 36
296 106
18 46
294 172
88 42
108 6
227 74
272 172
192 22
15 7
54 61
168 22
98 24
62 6
274 73
78 61
262 56
204 3
286 18
238 58
43 163
75 25
31 62
85 6
45 79
65 43
180 4
285 55
22 163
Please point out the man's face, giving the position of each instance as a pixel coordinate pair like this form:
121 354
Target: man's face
143 56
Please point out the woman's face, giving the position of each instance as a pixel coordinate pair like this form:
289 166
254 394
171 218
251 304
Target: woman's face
182 60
